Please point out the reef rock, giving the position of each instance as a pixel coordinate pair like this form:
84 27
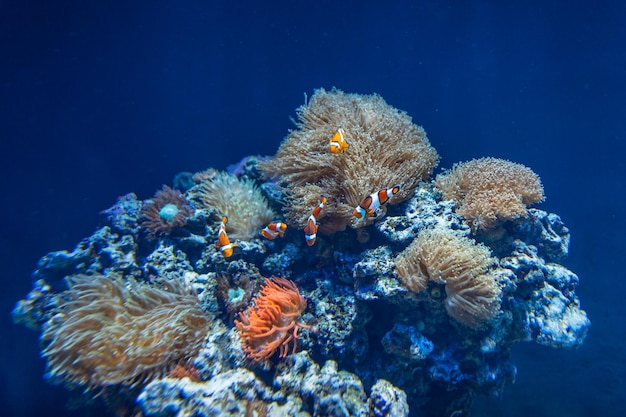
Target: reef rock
418 347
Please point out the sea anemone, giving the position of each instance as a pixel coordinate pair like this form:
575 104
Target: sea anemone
473 300
206 175
489 190
111 331
235 290
464 266
168 210
239 200
386 149
272 322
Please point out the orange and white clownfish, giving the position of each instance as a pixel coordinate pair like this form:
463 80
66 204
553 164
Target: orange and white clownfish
338 143
274 229
310 230
370 206
223 243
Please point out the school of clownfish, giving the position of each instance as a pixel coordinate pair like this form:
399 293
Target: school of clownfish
371 206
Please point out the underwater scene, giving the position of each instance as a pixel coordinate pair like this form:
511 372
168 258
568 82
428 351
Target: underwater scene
356 209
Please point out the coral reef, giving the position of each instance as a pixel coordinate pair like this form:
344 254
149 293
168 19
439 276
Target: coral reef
232 393
239 200
553 316
334 392
488 190
105 333
387 400
239 392
419 307
386 149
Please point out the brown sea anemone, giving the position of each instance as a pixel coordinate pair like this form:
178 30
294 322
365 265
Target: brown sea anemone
464 266
272 322
166 211
111 331
240 201
235 290
386 149
490 190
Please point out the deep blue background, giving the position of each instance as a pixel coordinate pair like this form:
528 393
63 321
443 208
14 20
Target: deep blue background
100 100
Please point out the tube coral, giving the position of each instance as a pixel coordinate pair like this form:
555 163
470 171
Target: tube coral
272 322
168 210
239 200
489 189
441 256
386 149
107 333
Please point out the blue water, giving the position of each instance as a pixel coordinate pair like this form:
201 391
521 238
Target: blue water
100 100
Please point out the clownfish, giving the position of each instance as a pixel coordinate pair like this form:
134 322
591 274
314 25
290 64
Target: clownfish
274 229
310 230
223 243
338 143
370 206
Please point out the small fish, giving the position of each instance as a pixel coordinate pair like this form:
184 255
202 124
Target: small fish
223 243
338 143
310 230
371 205
274 229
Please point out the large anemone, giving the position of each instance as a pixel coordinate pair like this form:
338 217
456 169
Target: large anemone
110 331
386 149
465 267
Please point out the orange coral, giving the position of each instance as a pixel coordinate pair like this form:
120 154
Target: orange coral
272 322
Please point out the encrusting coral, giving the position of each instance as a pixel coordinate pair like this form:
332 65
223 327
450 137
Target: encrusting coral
441 256
386 149
108 333
272 322
487 190
239 200
168 210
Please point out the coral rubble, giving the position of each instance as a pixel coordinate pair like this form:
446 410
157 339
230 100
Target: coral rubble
410 312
